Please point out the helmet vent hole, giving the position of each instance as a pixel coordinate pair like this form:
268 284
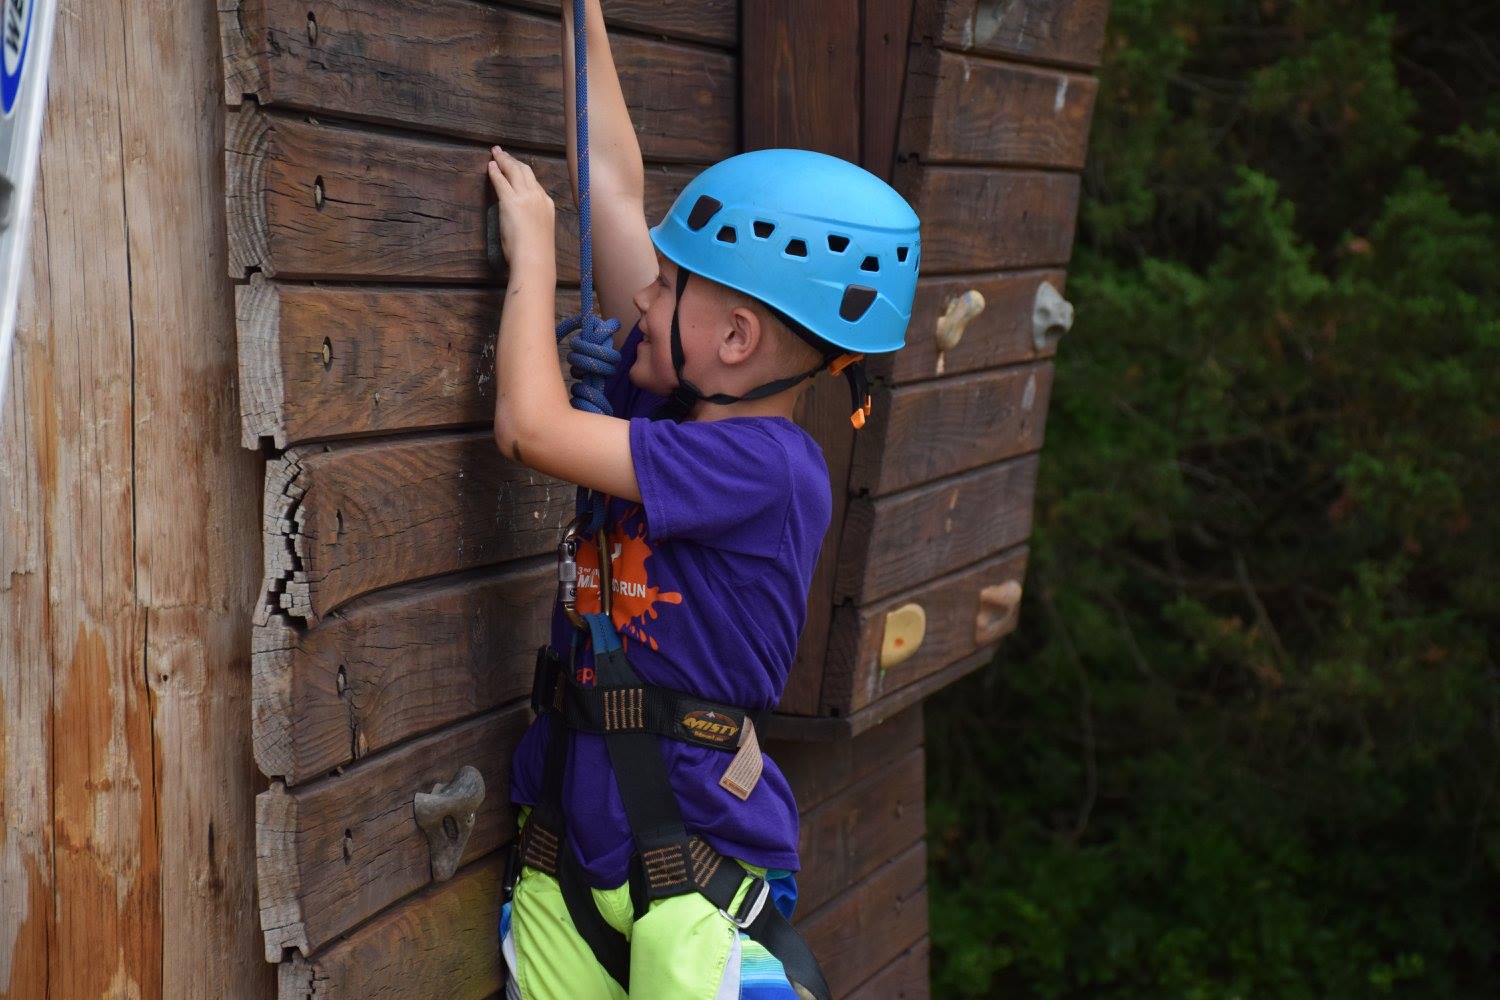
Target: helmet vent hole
704 208
796 248
870 264
727 235
763 230
838 244
901 253
857 300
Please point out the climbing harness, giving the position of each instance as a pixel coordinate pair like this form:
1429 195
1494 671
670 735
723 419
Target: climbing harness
633 717
630 715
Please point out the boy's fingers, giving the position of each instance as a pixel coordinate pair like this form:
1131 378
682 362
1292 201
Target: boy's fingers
498 178
518 172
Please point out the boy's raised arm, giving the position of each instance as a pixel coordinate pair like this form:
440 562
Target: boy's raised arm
624 259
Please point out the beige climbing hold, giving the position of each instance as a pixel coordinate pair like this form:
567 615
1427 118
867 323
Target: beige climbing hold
955 319
905 628
997 609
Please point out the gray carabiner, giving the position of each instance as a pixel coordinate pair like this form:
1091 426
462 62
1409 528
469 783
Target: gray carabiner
567 571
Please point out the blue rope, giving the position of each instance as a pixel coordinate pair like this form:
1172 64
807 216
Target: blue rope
592 358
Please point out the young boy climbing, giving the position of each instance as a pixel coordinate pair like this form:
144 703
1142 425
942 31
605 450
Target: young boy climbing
657 844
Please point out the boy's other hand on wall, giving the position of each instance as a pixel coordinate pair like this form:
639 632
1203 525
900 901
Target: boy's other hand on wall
527 215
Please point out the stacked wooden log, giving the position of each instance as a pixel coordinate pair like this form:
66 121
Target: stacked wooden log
992 130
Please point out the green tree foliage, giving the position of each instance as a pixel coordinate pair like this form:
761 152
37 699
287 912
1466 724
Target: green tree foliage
1247 740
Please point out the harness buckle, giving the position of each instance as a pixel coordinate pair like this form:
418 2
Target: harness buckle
754 907
567 571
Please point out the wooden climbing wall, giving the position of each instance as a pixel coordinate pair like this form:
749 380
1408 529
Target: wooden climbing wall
985 136
407 567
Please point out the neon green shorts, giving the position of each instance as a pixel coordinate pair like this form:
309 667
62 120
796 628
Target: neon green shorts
683 948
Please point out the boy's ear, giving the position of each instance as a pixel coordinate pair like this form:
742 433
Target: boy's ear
742 338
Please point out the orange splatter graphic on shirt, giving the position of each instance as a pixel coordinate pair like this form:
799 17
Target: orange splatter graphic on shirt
635 597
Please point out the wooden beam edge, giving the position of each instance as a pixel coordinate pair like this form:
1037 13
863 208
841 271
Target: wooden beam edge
828 729
285 589
243 75
247 134
277 879
257 313
272 703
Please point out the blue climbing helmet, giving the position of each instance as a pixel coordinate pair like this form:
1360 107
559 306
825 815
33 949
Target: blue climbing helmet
829 247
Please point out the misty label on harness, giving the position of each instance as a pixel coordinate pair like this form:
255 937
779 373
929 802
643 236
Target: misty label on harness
712 726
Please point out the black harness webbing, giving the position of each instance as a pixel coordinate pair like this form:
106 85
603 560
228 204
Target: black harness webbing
633 718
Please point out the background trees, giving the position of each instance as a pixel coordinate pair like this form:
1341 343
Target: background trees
1247 741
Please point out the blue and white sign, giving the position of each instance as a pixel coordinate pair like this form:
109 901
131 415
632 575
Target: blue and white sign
25 49
16 42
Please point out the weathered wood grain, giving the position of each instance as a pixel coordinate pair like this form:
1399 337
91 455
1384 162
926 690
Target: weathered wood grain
934 429
318 201
334 852
865 825
789 99
711 21
872 922
818 771
88 798
1059 31
474 71
970 109
344 520
907 978
323 362
28 477
1000 335
127 540
894 543
440 945
394 665
886 30
854 678
195 510
985 219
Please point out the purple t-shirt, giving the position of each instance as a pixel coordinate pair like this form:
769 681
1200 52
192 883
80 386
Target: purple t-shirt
711 573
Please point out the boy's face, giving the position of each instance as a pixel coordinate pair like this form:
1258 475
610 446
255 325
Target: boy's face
652 370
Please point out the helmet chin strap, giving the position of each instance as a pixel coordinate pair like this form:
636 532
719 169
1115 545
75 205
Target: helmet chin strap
679 406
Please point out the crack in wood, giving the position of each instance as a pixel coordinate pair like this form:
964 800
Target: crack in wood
287 591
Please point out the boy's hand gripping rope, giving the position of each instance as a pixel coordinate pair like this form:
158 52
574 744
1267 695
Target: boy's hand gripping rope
592 358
